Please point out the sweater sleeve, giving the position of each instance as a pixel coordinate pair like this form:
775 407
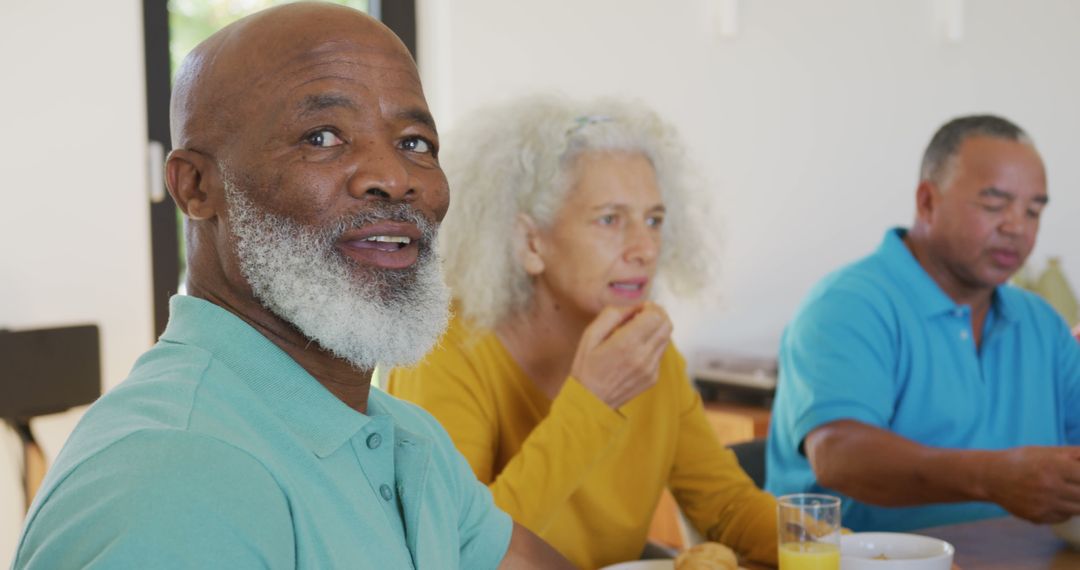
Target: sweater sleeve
713 490
556 457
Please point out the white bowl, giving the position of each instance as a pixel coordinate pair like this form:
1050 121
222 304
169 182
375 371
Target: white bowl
860 551
1069 531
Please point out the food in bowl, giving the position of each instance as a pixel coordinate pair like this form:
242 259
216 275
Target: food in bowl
894 551
707 556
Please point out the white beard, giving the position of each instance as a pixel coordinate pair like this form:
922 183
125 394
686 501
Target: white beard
363 315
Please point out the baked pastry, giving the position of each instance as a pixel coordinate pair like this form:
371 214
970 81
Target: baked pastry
707 556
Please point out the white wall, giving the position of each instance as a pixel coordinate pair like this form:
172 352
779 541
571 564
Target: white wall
74 236
809 123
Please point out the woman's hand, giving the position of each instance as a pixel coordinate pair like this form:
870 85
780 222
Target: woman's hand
618 356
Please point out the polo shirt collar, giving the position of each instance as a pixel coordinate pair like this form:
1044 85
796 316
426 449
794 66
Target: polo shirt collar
317 417
1005 302
927 294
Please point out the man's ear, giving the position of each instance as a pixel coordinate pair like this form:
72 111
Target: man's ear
528 245
926 201
187 175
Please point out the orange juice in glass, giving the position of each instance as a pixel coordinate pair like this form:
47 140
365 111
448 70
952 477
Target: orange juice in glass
809 532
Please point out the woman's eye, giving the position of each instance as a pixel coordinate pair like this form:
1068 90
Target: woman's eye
323 138
655 221
606 219
418 144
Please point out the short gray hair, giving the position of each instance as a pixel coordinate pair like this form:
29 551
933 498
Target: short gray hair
517 158
947 140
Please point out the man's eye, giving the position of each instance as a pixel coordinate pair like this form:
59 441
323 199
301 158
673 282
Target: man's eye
1034 213
993 207
606 219
323 138
655 221
418 144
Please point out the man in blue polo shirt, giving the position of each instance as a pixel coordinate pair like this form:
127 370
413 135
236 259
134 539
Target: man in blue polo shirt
249 437
915 383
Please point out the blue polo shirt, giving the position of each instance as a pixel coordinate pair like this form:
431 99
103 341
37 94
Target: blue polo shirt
220 451
879 342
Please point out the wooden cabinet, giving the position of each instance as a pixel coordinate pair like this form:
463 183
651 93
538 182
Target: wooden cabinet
724 412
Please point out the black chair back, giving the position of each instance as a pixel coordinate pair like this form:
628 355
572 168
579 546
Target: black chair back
751 456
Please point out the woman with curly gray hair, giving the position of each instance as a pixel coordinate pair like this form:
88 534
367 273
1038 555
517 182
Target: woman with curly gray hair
557 379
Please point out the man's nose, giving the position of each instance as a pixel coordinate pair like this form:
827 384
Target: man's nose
381 174
1016 220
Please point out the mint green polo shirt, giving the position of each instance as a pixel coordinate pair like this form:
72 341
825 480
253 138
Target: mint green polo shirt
220 451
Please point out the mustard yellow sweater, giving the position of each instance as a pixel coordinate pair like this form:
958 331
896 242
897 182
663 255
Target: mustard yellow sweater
585 477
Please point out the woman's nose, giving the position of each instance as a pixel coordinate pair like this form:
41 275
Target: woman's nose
643 243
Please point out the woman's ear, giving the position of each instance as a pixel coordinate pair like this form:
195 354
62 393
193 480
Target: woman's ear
528 245
187 174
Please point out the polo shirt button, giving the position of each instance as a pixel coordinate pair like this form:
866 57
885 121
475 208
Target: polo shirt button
386 492
374 440
963 335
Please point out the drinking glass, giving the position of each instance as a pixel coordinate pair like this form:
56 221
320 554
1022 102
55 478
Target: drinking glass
809 532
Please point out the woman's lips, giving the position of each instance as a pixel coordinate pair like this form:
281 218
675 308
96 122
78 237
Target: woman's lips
633 289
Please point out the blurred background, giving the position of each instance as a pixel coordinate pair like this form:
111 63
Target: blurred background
806 122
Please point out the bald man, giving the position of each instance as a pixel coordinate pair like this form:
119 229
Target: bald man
306 163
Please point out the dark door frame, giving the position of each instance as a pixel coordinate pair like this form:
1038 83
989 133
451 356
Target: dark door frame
398 15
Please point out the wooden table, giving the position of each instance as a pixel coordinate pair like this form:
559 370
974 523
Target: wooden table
1006 543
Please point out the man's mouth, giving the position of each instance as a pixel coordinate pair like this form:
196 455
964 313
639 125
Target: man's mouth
387 245
1007 258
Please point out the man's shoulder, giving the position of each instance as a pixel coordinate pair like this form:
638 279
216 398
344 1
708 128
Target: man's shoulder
865 284
159 393
168 480
868 273
1039 322
1025 304
169 386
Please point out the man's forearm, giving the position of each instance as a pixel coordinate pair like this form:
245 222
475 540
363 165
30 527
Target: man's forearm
881 468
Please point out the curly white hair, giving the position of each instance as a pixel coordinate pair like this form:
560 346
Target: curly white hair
517 158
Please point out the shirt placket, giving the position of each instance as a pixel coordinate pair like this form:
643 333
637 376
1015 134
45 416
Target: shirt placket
374 447
961 316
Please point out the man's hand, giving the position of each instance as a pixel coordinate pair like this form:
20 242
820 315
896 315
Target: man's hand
618 356
1040 484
